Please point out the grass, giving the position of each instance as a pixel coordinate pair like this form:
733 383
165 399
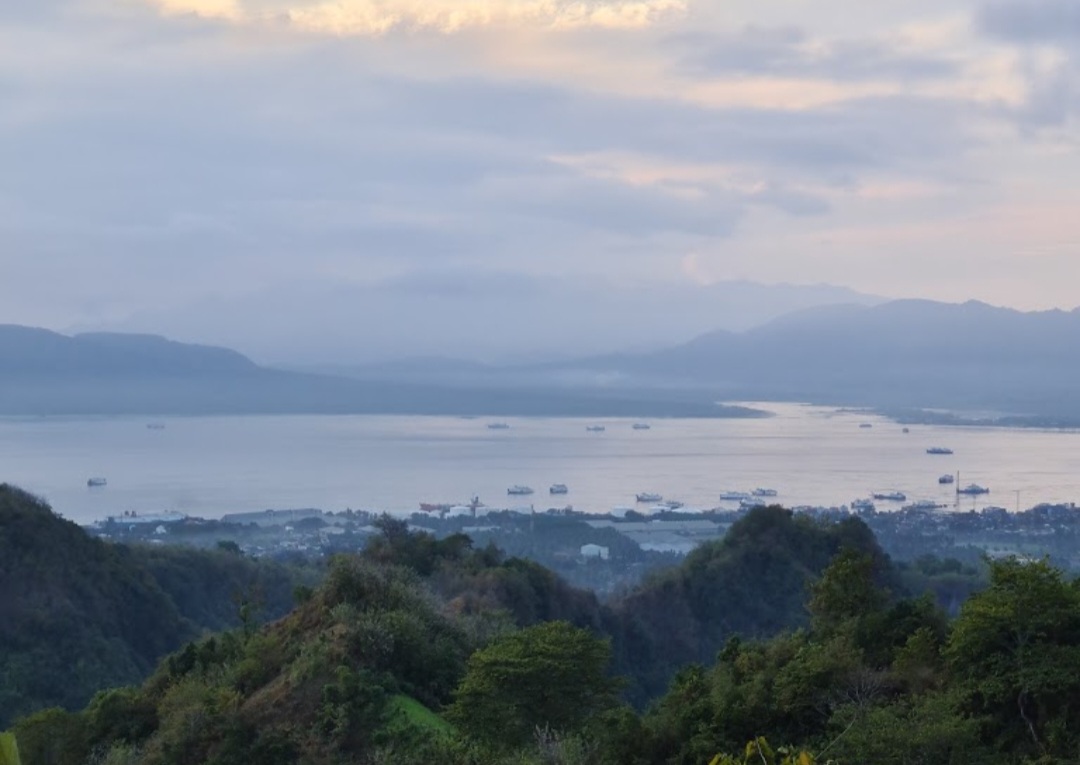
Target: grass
9 750
419 715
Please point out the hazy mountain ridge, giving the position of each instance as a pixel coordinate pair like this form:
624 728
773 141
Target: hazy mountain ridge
44 373
29 351
910 353
488 317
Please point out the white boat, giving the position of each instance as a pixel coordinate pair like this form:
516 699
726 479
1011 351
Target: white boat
641 426
519 490
748 503
672 504
862 505
646 496
595 428
973 489
559 488
890 496
96 482
764 492
498 426
947 478
939 450
734 496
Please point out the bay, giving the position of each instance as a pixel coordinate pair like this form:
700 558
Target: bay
209 466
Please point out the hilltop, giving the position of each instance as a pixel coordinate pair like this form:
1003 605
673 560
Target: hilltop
78 615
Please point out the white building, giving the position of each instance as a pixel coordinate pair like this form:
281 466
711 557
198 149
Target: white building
595 551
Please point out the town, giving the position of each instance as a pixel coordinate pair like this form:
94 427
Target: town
607 553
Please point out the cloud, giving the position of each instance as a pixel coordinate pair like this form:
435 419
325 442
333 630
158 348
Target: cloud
261 142
379 17
1031 21
793 52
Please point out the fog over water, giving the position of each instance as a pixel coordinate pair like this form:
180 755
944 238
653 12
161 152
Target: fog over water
208 466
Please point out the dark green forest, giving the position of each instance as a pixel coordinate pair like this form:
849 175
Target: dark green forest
789 641
78 614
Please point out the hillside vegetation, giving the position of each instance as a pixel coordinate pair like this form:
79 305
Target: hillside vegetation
78 614
376 666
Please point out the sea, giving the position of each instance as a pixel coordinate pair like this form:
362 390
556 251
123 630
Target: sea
817 456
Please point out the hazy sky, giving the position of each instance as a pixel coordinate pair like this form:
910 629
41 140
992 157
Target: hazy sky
159 153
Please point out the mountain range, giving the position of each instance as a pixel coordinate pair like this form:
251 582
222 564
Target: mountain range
901 355
907 353
46 373
476 316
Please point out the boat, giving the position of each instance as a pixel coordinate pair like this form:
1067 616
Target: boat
734 496
973 489
519 490
498 426
559 488
749 503
862 505
595 428
865 425
947 478
764 492
435 507
641 426
907 430
939 450
890 496
672 504
96 482
155 426
646 496
923 504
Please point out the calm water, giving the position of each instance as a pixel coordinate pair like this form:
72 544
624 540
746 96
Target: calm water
215 465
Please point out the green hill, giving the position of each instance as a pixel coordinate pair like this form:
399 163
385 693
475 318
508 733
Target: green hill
78 614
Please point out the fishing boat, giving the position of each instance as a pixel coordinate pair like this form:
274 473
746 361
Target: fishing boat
890 496
947 478
519 490
647 496
939 450
973 489
559 488
96 482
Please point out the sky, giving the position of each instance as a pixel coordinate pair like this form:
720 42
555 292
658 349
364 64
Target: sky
159 157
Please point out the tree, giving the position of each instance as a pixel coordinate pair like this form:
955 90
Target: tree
845 591
1015 656
551 675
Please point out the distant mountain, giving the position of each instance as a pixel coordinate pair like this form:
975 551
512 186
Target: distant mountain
496 318
907 353
45 373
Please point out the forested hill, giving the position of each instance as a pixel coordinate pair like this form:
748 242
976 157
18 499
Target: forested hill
374 666
111 611
78 614
751 583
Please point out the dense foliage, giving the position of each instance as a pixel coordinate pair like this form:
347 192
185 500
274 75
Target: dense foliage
809 649
78 614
